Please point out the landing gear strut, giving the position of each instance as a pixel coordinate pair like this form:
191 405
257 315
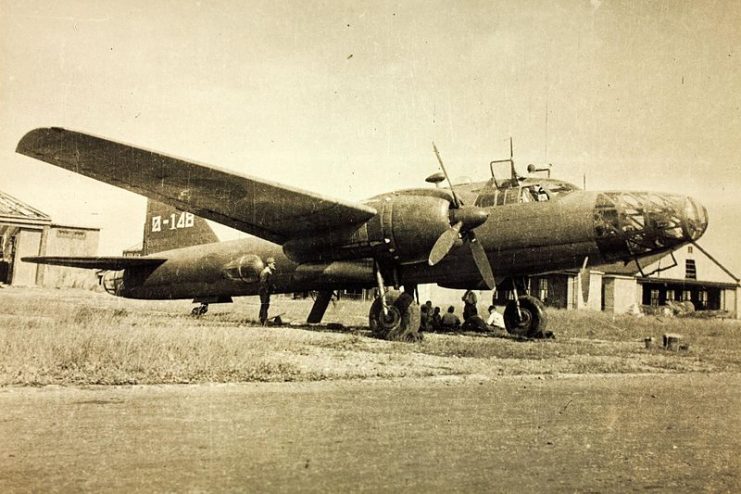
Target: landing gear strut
401 319
528 320
394 315
200 310
525 316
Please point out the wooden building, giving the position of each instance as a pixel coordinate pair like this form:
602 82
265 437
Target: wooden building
26 231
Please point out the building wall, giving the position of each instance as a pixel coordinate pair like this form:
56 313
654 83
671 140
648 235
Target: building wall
706 269
558 290
69 241
594 296
28 243
620 294
445 297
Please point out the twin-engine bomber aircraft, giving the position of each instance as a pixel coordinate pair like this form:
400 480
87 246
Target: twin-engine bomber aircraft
474 235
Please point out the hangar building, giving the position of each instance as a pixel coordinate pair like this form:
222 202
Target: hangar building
687 274
26 231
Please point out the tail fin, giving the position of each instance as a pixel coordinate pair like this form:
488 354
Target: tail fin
168 228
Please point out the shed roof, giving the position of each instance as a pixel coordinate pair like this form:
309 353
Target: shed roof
17 210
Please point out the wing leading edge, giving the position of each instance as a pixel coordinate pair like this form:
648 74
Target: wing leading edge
105 263
271 211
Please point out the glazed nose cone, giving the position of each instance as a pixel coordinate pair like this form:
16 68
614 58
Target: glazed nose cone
640 223
694 219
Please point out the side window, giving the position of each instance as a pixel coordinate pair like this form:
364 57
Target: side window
500 198
487 200
511 196
526 195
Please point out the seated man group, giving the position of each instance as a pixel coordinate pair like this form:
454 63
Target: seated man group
433 320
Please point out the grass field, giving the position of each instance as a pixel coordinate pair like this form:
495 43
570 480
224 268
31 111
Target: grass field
82 337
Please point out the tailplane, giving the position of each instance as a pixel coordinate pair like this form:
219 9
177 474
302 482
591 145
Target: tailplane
168 228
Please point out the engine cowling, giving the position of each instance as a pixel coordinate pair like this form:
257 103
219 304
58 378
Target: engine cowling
408 226
404 230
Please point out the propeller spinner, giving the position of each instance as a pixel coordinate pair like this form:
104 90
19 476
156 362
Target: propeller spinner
463 220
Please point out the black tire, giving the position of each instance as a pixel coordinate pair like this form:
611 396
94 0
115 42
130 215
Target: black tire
534 320
390 325
199 311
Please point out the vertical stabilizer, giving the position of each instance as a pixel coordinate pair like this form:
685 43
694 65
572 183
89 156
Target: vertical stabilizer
168 228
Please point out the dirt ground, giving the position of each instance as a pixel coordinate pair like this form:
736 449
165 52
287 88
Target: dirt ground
100 394
607 433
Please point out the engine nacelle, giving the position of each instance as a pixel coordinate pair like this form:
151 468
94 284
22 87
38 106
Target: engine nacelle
409 225
404 230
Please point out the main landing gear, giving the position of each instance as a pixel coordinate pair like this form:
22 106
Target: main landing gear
401 320
394 315
525 316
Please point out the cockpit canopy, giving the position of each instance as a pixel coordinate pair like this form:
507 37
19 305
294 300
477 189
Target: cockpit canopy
528 190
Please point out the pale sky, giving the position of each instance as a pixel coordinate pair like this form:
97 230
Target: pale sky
345 98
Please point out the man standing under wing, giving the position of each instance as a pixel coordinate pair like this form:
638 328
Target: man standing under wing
265 288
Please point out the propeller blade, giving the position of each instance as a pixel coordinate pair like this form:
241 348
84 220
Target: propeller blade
482 262
444 243
457 202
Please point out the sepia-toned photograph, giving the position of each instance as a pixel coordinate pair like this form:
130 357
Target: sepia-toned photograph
370 246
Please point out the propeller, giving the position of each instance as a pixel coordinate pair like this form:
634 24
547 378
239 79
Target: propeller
464 219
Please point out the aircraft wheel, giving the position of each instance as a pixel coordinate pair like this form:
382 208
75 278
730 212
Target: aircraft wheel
533 321
199 311
395 325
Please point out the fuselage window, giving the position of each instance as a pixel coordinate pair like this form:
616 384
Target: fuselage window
511 196
487 200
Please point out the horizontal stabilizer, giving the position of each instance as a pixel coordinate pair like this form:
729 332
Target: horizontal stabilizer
105 263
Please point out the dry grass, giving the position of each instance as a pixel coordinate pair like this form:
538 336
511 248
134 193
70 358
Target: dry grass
81 337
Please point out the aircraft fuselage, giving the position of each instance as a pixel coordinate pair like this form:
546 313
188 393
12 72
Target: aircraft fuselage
522 235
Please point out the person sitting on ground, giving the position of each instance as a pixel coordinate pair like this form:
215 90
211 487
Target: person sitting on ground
475 323
425 318
450 321
436 319
428 321
495 320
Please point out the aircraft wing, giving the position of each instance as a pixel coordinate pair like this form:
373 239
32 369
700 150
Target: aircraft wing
268 210
105 263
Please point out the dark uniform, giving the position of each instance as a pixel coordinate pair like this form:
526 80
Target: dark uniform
436 319
402 304
449 321
469 304
265 289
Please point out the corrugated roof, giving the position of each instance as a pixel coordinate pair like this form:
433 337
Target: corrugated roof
10 207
